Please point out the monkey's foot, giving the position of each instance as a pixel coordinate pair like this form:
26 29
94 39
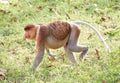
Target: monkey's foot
82 55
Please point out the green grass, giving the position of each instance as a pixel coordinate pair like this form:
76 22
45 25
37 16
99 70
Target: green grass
17 55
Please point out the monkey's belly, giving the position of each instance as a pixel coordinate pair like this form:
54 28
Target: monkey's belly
54 44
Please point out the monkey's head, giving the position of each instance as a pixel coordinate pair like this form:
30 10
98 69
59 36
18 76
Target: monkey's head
30 31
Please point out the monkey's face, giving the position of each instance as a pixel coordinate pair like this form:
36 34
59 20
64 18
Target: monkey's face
30 32
26 35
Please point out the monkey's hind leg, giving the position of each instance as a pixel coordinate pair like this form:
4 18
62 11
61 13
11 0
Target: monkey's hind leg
72 42
82 55
70 55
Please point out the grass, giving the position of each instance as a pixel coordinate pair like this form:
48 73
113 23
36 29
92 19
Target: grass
17 55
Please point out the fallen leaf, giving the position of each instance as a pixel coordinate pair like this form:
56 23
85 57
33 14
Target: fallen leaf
27 59
51 59
14 19
51 9
111 26
105 33
2 74
90 35
103 81
97 54
2 11
68 16
105 18
40 7
116 7
50 66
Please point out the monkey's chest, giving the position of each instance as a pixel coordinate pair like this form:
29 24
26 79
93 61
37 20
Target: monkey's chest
54 43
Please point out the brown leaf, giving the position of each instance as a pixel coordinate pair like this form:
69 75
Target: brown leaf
27 59
105 33
14 19
2 74
51 9
50 66
90 35
40 7
116 7
111 26
97 54
2 11
51 59
103 81
105 18
68 16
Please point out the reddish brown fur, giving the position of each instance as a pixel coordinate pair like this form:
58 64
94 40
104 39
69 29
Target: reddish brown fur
29 26
41 37
59 29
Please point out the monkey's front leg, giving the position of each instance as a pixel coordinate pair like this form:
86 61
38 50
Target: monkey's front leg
52 57
48 52
40 53
38 59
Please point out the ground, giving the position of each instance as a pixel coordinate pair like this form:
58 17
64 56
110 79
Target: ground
17 55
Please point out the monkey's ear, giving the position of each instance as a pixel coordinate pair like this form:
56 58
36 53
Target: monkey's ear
29 26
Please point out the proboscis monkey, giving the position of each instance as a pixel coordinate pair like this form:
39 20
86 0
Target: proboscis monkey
55 35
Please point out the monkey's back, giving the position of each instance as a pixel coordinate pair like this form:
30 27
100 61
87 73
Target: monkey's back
59 29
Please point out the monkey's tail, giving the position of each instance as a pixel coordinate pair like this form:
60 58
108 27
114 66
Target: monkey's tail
98 33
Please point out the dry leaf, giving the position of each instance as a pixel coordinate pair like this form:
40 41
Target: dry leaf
51 9
27 59
14 19
90 35
68 16
2 74
105 33
103 81
116 7
105 18
50 66
40 7
51 59
97 54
